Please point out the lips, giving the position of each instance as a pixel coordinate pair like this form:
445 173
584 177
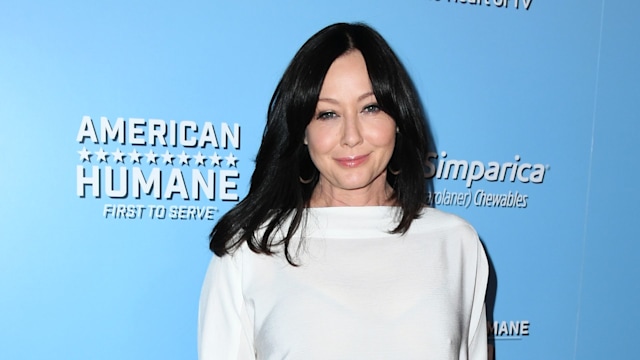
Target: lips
352 161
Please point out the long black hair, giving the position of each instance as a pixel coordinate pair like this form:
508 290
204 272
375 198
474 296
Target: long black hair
277 197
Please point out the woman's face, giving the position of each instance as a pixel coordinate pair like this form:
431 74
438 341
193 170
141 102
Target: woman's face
350 139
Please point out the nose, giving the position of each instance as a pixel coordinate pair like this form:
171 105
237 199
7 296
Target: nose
351 132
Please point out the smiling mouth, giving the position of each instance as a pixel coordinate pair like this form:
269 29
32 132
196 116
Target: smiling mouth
352 161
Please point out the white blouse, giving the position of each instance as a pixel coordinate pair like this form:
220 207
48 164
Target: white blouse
358 292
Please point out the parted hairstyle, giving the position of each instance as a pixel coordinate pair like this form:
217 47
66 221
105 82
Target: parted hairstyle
277 195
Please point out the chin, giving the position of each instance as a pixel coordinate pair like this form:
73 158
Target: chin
356 184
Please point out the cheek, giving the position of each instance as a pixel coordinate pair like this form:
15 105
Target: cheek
319 139
383 136
319 149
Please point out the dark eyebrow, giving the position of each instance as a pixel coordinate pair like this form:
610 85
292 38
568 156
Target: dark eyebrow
334 101
364 96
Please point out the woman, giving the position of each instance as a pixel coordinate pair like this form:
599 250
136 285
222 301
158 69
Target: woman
333 253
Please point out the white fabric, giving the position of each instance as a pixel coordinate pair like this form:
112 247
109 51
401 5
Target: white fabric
358 293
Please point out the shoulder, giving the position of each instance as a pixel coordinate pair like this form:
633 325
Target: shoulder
438 220
435 225
453 233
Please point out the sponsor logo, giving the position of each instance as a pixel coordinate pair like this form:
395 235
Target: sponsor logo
157 161
472 172
504 4
508 330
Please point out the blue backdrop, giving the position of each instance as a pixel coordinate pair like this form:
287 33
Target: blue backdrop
129 127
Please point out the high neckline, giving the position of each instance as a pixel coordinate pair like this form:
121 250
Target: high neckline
351 221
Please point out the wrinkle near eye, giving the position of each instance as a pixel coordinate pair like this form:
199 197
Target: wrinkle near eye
326 115
371 108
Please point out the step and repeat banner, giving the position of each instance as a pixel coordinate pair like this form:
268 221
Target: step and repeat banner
130 127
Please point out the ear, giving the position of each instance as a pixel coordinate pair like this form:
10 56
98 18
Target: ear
304 141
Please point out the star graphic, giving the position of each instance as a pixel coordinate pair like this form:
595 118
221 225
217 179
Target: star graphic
135 156
231 160
215 159
151 157
118 156
85 155
184 158
200 159
167 157
102 155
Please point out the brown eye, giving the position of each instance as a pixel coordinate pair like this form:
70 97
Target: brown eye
325 115
373 108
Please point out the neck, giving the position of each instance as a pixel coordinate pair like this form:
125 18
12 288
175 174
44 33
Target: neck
324 196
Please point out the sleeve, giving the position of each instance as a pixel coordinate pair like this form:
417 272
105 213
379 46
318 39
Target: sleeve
477 342
225 328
